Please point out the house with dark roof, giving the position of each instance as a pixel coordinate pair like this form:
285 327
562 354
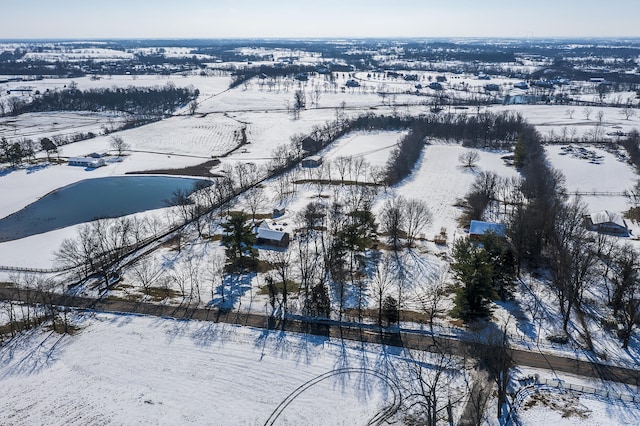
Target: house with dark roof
607 222
267 235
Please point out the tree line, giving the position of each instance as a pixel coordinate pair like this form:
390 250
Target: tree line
546 231
155 101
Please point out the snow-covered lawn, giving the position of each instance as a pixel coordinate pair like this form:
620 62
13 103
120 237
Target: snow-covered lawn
440 181
549 405
38 125
608 175
373 147
576 409
570 123
140 370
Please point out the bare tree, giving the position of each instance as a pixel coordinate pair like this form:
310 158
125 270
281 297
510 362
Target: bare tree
216 275
497 359
146 273
628 110
391 221
316 94
469 159
193 107
416 217
255 199
570 113
573 258
382 282
118 144
431 298
343 164
299 103
433 374
281 262
626 291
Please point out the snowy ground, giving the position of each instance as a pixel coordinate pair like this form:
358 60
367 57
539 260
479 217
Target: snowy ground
140 370
610 176
440 180
48 124
544 405
373 147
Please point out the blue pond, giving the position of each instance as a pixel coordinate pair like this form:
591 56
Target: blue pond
92 199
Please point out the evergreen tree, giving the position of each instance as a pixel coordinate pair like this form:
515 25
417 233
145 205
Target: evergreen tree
390 310
318 304
502 263
47 145
519 153
472 269
239 240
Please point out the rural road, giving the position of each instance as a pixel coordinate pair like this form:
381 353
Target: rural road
363 333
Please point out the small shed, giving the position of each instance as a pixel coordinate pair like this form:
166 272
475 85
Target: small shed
312 161
479 228
607 222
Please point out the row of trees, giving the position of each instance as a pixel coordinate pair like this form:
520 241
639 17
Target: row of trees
39 307
545 229
152 101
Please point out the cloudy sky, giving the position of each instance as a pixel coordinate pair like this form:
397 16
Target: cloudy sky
29 19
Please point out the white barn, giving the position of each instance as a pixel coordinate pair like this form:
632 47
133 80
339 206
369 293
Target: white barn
87 162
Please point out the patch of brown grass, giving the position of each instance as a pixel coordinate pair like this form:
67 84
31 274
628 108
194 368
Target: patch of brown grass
292 287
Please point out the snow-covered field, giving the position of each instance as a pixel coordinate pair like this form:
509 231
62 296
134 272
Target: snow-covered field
63 375
609 176
372 147
440 180
551 405
48 124
140 370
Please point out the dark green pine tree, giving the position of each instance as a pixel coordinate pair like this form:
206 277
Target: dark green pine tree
239 239
472 269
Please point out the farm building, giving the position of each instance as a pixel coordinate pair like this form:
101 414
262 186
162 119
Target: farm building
86 162
312 161
607 222
479 228
266 235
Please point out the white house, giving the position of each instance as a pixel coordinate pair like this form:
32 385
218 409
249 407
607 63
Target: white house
87 162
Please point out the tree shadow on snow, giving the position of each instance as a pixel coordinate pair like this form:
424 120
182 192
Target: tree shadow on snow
234 287
41 352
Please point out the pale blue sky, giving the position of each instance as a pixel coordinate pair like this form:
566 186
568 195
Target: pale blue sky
319 18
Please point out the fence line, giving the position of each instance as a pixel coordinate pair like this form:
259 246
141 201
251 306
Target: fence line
535 385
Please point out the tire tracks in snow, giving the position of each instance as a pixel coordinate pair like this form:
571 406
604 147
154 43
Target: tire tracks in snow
380 417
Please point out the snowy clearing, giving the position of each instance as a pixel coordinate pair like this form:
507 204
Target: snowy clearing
140 370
